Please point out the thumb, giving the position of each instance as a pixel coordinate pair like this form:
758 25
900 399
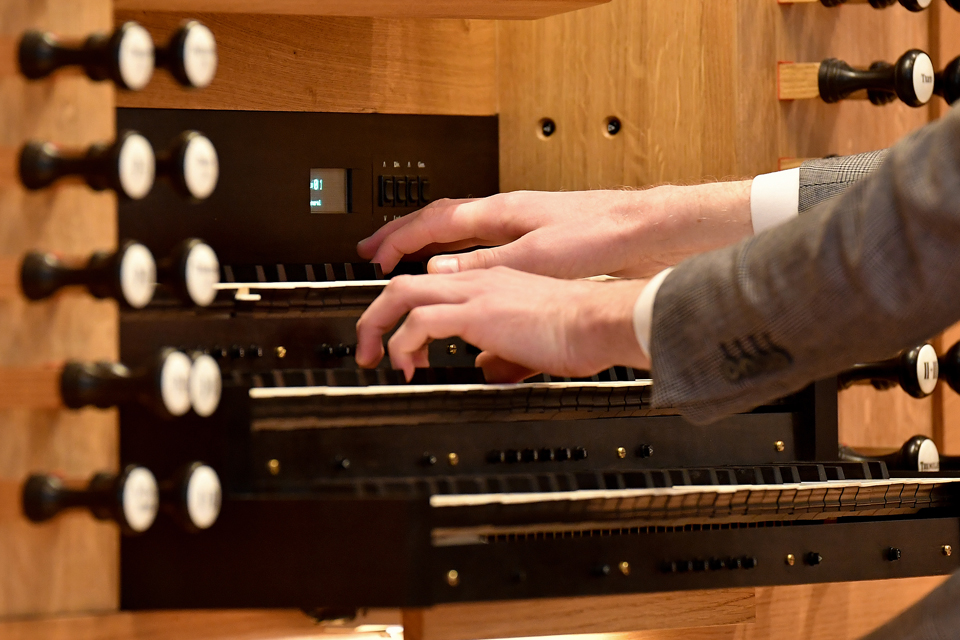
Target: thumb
508 255
496 369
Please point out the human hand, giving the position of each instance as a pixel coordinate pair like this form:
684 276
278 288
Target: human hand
523 323
569 234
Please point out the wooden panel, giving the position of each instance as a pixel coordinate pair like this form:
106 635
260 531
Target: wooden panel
510 9
284 63
580 615
72 564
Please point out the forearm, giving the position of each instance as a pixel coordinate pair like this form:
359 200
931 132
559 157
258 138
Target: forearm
672 223
865 274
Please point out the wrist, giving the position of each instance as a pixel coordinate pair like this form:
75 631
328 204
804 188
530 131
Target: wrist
606 326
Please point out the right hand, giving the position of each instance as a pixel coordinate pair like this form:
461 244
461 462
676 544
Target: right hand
625 233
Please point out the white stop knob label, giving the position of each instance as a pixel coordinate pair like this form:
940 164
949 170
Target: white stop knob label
928 368
200 56
206 385
137 166
204 496
175 383
928 457
138 276
136 57
923 78
202 274
141 499
201 167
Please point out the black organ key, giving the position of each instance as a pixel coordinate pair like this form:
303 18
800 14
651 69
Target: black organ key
131 499
191 165
125 57
129 275
916 370
190 55
919 453
163 385
127 166
910 78
193 497
947 83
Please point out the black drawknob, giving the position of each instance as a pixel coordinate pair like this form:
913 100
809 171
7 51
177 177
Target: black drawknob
191 55
163 385
876 96
916 370
127 166
131 499
950 367
947 83
193 497
919 453
125 57
128 275
192 271
190 165
911 78
912 5
892 554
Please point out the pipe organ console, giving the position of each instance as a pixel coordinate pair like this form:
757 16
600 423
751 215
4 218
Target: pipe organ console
126 57
909 5
290 477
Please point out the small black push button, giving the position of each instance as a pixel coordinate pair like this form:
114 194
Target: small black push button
400 194
386 191
601 570
424 191
579 453
545 455
413 190
716 564
749 562
529 455
813 558
893 554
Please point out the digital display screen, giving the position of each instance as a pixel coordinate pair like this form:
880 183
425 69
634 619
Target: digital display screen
328 190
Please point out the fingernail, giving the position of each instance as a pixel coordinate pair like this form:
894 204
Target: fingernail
445 264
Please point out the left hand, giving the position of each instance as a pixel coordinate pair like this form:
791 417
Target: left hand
523 323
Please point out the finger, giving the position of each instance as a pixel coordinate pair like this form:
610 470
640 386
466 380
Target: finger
423 325
400 296
368 247
496 369
524 254
443 225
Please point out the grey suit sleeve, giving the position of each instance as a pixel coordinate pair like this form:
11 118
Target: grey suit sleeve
826 178
936 617
860 276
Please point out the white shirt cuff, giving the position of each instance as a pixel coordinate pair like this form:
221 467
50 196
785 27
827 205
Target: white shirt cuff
774 199
643 310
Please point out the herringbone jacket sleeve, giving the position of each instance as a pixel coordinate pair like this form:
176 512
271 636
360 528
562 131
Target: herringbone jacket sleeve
860 276
826 178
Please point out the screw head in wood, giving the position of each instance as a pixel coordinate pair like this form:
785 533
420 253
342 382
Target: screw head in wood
779 446
273 466
453 459
791 559
453 577
624 568
281 352
946 550
452 349
621 452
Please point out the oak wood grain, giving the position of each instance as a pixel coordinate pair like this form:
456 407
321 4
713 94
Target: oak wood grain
489 9
798 80
601 614
305 63
71 564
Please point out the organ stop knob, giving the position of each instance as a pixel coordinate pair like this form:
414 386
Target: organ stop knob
915 370
191 165
130 275
206 385
163 385
947 84
912 5
919 453
127 166
911 78
127 56
193 497
191 55
131 499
